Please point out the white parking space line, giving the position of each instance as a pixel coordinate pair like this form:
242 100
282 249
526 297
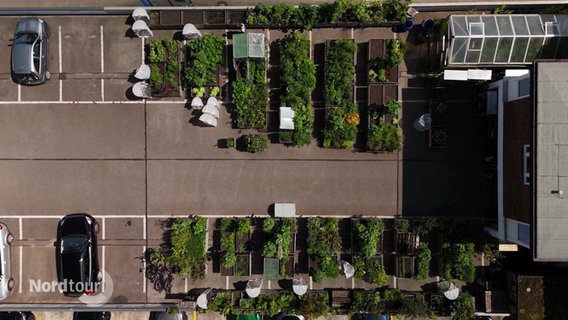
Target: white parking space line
19 92
142 49
104 228
21 277
103 264
60 90
103 89
102 51
144 222
60 52
20 228
144 273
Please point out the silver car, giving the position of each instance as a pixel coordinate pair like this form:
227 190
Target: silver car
30 52
6 281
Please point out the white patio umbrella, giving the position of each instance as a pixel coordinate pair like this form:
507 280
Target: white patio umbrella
143 72
208 119
253 287
141 90
202 299
449 289
299 286
141 29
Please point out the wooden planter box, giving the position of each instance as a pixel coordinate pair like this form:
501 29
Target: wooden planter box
378 50
405 267
227 271
290 266
242 242
167 90
406 243
243 265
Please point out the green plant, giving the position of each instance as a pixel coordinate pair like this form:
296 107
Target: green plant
298 75
156 51
462 308
226 224
222 303
243 226
502 10
423 257
458 262
214 91
424 227
323 236
393 106
228 241
204 54
250 96
366 236
401 225
385 137
256 142
315 304
198 92
318 275
268 224
415 307
188 246
156 77
491 252
228 259
376 273
395 52
330 267
339 71
377 72
341 127
230 142
359 267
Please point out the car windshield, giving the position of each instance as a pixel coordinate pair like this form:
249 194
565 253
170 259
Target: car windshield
25 38
73 244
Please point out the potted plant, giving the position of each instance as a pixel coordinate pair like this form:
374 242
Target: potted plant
255 142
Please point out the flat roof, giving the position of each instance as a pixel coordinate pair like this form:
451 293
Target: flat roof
551 167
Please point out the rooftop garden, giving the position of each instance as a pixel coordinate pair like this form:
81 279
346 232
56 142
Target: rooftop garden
204 54
163 58
250 94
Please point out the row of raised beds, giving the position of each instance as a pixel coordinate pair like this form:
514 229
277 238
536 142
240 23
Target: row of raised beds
298 75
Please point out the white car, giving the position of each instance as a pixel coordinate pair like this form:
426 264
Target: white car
7 283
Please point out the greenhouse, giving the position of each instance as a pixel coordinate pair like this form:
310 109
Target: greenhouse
506 39
248 46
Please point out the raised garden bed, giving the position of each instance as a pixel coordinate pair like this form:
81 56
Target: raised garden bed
163 58
405 267
250 95
202 68
243 265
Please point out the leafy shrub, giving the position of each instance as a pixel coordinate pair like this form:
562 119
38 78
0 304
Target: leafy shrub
423 257
256 142
341 127
401 225
377 72
222 303
228 241
156 51
339 72
298 75
250 96
330 267
376 273
316 305
203 56
156 77
458 262
268 224
228 259
226 224
393 106
243 226
188 246
395 52
462 308
366 236
323 236
318 275
384 137
416 307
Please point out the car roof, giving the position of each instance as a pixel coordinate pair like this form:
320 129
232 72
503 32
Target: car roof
22 61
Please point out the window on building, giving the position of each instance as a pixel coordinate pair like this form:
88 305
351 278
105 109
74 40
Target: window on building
524 233
526 164
524 87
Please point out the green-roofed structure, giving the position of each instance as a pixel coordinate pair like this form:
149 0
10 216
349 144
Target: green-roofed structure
248 46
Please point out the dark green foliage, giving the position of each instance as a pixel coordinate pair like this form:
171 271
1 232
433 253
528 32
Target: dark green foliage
268 224
228 241
385 137
156 77
203 56
339 71
395 52
341 127
250 95
393 106
376 273
422 228
423 257
222 303
330 267
315 305
323 237
458 262
377 72
256 142
401 225
298 75
227 225
462 307
243 226
366 236
228 259
156 51
279 237
188 246
306 16
415 307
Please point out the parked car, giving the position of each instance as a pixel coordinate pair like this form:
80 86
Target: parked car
102 315
76 254
30 52
7 283
17 315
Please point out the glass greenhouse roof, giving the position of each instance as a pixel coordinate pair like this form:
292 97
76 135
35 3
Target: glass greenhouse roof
248 45
506 39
